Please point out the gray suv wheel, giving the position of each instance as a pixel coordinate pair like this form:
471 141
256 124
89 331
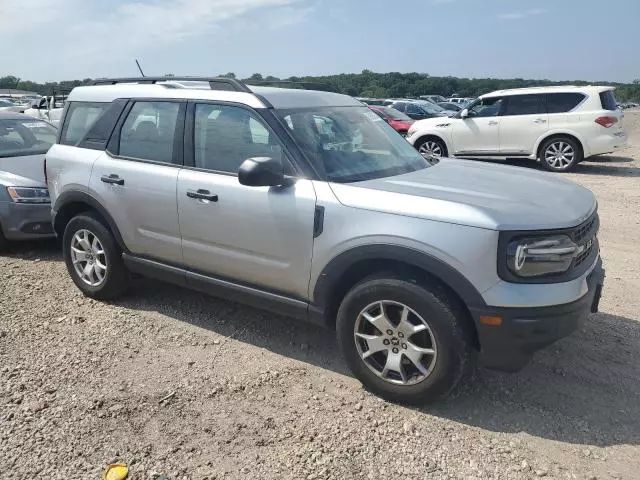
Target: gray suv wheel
93 258
404 341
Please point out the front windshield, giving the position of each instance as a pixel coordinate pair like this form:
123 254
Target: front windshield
25 137
350 144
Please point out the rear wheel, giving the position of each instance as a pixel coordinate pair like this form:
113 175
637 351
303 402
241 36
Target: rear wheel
431 148
93 258
403 341
560 154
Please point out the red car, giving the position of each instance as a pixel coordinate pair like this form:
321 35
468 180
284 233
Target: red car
398 120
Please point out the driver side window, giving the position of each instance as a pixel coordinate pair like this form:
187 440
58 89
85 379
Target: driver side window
487 107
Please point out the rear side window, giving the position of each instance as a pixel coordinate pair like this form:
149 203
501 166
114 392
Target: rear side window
524 105
563 102
149 130
79 119
608 100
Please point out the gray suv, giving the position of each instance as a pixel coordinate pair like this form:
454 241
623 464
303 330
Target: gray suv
308 204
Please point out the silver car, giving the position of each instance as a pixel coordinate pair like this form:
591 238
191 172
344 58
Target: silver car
25 209
308 204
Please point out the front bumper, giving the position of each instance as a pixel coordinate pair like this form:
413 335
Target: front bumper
510 345
23 221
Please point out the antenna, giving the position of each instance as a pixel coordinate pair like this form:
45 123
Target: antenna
139 67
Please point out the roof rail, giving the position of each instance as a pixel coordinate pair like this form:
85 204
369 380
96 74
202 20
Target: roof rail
215 83
324 87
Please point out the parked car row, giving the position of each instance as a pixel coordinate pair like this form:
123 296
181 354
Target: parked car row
626 105
45 108
417 109
308 204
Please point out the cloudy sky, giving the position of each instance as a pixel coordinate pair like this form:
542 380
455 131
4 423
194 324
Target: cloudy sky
556 39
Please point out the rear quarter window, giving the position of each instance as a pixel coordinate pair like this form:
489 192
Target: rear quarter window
79 119
608 100
563 102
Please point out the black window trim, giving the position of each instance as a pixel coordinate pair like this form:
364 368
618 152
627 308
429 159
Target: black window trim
108 121
263 114
113 146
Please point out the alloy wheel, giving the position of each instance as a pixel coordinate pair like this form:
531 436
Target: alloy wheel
395 342
430 149
559 155
88 258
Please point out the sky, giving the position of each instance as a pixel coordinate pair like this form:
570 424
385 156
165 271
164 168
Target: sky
52 40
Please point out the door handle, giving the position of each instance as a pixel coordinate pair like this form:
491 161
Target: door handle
112 179
493 122
540 120
202 195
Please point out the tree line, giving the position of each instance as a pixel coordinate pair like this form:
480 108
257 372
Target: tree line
377 85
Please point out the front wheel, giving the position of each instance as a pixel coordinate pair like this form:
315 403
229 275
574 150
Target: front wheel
560 154
403 341
432 149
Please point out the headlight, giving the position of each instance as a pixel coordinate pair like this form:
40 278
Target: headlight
29 194
533 257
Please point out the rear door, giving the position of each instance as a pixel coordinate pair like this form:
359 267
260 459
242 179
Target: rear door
135 178
523 121
261 236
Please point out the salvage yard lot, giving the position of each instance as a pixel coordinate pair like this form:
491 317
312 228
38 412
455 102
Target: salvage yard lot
170 381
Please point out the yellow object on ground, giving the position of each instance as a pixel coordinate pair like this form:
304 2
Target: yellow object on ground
117 471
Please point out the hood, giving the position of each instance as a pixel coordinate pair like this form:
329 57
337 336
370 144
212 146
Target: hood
8 179
476 194
430 123
25 167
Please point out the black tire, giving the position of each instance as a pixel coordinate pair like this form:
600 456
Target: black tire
552 146
116 277
3 241
455 355
437 143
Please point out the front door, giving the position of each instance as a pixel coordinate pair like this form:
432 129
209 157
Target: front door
479 132
523 121
260 236
136 183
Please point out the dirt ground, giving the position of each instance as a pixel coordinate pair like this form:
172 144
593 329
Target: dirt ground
173 382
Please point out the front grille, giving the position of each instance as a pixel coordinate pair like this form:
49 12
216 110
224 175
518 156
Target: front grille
587 230
585 235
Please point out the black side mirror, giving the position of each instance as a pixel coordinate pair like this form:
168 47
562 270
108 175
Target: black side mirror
263 172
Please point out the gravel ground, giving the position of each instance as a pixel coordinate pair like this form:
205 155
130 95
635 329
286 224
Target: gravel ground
173 382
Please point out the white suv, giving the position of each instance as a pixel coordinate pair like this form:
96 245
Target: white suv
558 126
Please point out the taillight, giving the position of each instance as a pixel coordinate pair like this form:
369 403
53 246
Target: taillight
45 171
607 121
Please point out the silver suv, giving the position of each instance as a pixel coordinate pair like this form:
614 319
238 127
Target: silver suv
308 204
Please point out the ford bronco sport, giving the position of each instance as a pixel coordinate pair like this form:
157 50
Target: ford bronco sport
308 204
